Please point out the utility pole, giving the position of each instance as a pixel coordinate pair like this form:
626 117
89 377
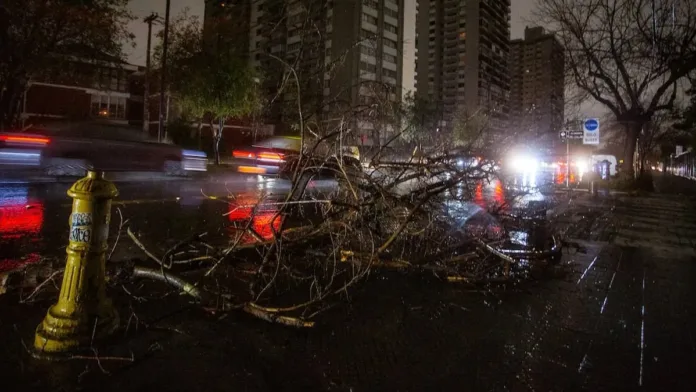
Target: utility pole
568 128
146 95
163 85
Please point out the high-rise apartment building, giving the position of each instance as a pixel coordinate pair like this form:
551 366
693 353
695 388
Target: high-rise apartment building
462 53
346 53
537 87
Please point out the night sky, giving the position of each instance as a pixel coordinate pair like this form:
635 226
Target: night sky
520 13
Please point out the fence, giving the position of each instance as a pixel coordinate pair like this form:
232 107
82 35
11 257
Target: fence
683 165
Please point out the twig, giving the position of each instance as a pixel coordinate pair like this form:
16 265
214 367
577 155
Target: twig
118 234
282 203
199 258
497 252
36 290
98 358
143 248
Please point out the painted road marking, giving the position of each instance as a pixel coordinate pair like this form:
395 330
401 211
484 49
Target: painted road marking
587 269
642 333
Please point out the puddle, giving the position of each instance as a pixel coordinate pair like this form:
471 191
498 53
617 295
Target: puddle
265 220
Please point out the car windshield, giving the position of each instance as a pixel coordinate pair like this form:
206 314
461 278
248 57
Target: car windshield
283 143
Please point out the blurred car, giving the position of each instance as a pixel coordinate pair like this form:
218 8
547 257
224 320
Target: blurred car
278 156
73 149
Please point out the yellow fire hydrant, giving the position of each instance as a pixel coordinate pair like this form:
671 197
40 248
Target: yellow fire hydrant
83 311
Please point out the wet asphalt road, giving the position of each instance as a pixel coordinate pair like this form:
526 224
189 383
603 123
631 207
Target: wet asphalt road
163 210
34 214
619 317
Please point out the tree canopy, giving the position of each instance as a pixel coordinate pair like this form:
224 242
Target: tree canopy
36 35
687 120
420 118
207 80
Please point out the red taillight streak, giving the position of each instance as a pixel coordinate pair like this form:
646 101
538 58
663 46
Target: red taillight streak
25 139
243 154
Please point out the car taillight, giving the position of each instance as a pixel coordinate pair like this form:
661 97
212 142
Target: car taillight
271 157
36 140
243 154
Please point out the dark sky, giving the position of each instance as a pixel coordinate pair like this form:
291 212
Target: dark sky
141 8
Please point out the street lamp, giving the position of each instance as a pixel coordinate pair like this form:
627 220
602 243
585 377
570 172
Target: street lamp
163 79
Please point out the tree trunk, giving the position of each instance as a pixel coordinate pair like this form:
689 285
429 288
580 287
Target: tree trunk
200 134
218 138
9 101
632 132
213 134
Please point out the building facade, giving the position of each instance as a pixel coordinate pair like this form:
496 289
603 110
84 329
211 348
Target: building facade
346 56
83 90
462 54
537 87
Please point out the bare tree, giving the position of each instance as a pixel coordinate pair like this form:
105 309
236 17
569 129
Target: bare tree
629 55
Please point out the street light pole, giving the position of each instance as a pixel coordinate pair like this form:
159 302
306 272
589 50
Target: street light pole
146 94
161 131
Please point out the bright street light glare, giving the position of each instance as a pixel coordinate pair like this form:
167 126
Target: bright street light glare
582 166
524 164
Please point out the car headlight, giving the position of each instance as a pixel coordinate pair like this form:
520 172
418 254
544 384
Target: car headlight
194 154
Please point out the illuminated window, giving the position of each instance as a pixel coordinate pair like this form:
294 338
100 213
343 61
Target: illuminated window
108 106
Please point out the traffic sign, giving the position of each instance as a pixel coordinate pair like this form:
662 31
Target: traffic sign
590 131
591 124
567 134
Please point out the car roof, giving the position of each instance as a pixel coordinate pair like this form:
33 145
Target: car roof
96 130
281 142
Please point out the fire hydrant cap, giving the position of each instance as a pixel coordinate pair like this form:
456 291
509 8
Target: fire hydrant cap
94 186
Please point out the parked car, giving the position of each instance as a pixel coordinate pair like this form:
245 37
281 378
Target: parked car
278 156
73 149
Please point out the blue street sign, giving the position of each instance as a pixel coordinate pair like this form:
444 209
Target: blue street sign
590 131
591 124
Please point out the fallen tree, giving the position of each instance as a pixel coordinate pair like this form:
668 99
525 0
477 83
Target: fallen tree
415 216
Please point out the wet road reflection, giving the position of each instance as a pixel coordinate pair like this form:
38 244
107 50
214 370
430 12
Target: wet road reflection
265 220
33 217
21 221
19 216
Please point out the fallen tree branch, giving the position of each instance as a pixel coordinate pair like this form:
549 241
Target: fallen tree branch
273 316
174 280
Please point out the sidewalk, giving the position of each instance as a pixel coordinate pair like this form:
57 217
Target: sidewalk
619 317
670 184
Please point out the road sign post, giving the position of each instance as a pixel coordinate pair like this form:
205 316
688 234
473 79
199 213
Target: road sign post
568 163
567 135
590 131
